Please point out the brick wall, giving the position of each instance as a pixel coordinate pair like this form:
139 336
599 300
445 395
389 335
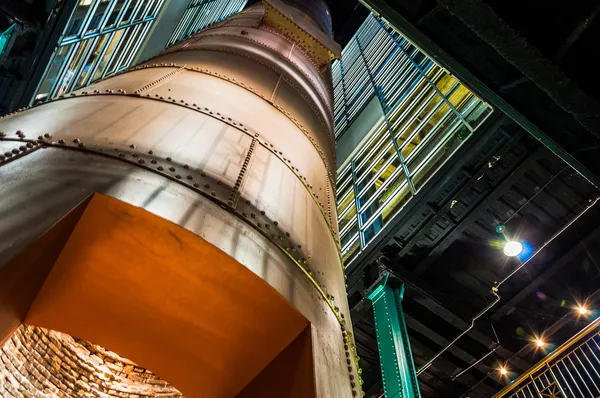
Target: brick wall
42 363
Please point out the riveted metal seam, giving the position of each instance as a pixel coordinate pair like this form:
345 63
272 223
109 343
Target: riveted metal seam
82 148
324 123
235 191
159 80
221 118
248 88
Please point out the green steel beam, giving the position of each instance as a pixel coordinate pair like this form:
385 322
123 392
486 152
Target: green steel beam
396 21
397 366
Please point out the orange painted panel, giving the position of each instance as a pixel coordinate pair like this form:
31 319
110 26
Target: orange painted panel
23 276
154 292
290 375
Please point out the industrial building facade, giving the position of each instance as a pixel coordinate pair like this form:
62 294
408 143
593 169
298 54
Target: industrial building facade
88 40
398 117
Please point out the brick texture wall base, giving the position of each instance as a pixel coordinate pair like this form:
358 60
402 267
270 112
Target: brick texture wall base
41 363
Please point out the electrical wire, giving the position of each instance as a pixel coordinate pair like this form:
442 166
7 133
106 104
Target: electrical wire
495 289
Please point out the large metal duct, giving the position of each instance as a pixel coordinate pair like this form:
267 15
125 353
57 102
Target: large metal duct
228 134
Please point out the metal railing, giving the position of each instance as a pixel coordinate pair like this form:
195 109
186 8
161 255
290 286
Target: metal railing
571 371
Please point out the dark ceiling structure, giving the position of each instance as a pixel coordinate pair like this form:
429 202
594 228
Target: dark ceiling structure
537 61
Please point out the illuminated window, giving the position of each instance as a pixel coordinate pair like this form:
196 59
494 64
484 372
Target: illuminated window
427 114
201 13
101 38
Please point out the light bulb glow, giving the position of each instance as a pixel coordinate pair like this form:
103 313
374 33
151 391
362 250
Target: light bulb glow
540 343
513 248
582 310
503 371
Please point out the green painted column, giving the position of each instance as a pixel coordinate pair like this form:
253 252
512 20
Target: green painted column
397 366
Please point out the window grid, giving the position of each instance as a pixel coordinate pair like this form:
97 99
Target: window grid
427 115
202 13
87 41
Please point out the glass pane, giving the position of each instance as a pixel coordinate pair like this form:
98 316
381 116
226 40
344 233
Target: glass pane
71 71
89 63
477 112
51 76
430 125
155 9
94 23
128 16
460 97
347 211
445 82
372 147
395 192
143 10
106 58
398 195
452 143
428 116
118 54
76 21
438 141
377 166
133 43
350 252
112 19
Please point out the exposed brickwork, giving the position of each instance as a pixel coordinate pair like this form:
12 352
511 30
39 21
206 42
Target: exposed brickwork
42 363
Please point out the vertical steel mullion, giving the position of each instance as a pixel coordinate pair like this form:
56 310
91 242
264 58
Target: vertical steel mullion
135 10
138 42
127 45
579 374
89 16
107 13
356 204
115 53
387 121
81 63
124 8
133 48
532 394
146 11
45 74
64 67
556 381
344 93
109 37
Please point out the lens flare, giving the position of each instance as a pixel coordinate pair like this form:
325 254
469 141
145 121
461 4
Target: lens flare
540 343
513 248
